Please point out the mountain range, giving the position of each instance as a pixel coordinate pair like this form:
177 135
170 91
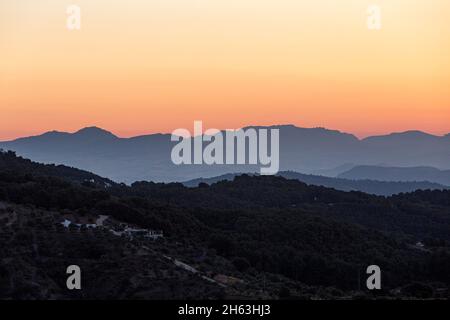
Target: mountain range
316 151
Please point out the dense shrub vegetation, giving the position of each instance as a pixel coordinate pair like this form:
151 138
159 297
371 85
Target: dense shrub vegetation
309 235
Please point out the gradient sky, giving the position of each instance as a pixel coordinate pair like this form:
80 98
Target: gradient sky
157 65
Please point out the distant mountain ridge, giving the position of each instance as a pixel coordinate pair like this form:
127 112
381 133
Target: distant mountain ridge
381 188
409 174
306 150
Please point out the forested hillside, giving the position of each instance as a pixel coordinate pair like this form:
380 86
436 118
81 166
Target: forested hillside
255 237
381 188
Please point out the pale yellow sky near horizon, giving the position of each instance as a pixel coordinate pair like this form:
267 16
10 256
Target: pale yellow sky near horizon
154 66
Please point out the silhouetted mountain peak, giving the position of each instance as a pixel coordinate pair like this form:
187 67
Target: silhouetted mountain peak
319 132
93 132
411 134
53 133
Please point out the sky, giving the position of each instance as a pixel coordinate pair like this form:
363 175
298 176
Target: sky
146 66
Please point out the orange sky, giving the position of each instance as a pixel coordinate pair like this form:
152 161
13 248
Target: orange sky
153 66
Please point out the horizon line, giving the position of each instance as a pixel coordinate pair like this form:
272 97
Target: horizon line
136 135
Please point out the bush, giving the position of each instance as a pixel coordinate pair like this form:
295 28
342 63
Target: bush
241 264
418 290
222 245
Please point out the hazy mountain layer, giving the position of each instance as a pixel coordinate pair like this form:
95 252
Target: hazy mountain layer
398 174
147 157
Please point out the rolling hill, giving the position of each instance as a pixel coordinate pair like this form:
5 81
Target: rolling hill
382 188
254 237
